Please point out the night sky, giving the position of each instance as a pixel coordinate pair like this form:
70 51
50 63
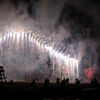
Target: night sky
69 20
76 15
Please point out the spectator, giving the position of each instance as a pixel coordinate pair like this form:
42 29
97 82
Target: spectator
77 82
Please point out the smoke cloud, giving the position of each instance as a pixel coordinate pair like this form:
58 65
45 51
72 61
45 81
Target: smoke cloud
66 19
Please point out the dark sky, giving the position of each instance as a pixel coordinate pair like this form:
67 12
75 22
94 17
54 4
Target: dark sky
82 13
74 14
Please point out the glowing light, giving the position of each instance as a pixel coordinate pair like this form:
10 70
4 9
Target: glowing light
71 64
89 72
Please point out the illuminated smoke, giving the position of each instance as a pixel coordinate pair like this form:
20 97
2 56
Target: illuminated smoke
89 72
18 40
60 56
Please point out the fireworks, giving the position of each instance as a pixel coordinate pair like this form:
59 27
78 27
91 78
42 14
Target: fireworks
54 49
89 72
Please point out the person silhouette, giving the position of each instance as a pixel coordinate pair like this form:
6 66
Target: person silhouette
95 82
67 81
46 82
33 83
77 82
57 81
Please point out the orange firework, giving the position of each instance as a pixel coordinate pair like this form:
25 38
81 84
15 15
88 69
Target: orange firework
89 72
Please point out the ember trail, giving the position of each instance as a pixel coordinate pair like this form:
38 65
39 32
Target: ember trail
63 65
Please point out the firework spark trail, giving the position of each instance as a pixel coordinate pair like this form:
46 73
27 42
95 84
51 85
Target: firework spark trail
53 48
58 53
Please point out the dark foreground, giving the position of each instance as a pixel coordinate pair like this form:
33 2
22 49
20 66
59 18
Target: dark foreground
21 90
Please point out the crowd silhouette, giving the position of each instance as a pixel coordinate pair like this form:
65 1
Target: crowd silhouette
47 83
64 83
57 88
